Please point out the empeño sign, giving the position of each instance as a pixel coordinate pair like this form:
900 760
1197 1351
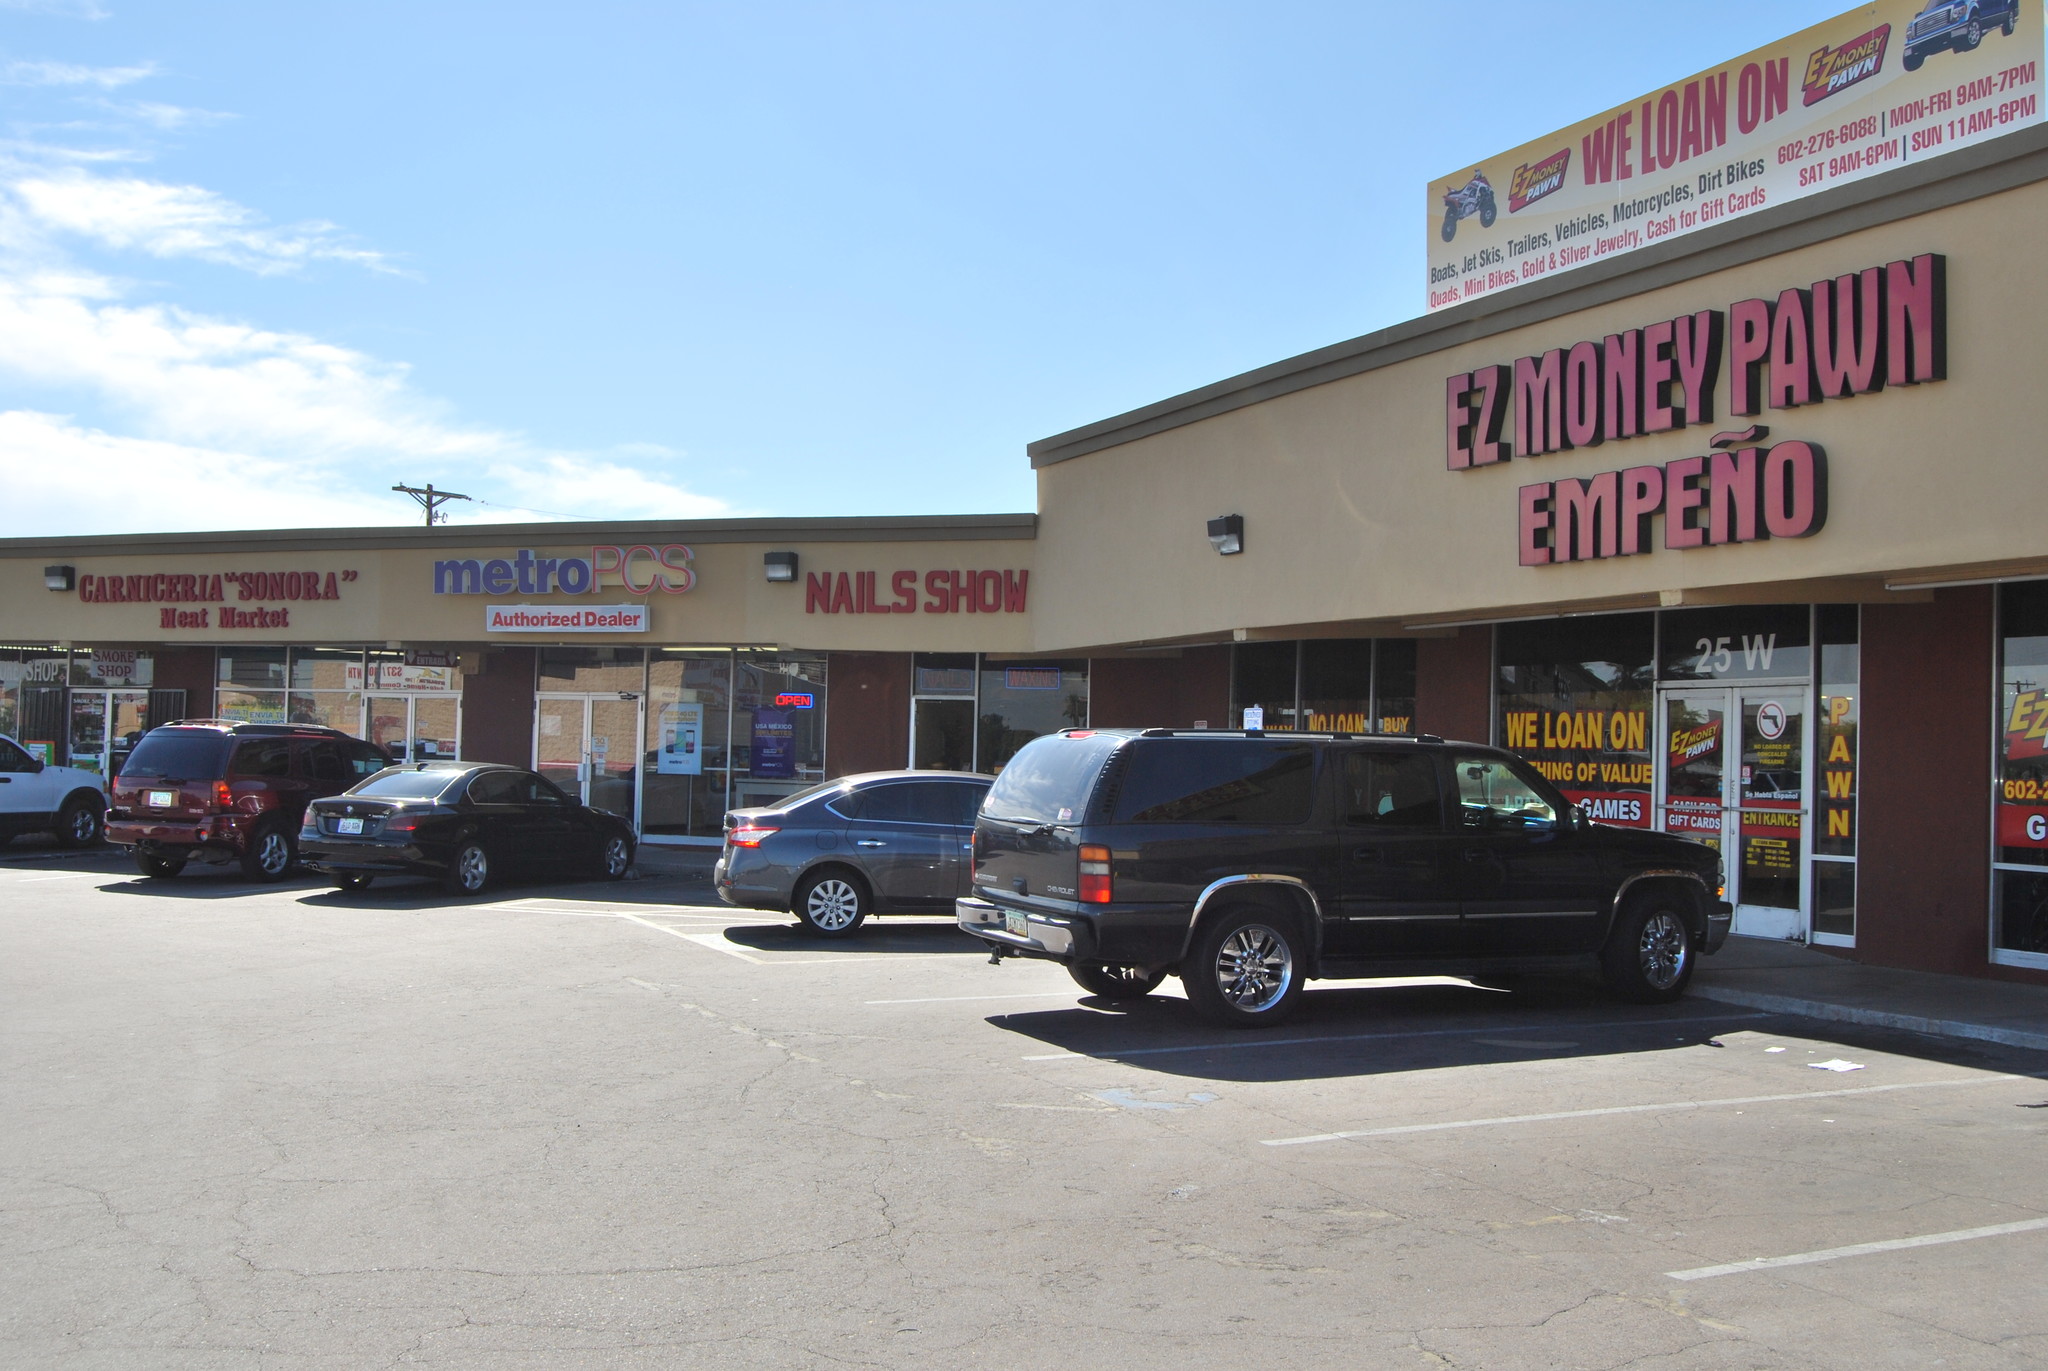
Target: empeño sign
1872 89
1848 336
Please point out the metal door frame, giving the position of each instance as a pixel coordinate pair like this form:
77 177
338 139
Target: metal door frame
1731 698
583 767
412 699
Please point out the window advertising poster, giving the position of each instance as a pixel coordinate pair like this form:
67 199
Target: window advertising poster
679 743
1884 85
773 756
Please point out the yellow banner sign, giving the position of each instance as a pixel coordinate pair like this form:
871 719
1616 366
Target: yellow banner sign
1882 86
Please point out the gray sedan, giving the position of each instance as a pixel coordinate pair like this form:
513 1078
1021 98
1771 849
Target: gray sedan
833 854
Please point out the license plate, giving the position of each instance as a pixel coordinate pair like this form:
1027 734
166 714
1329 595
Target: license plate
1017 924
348 825
162 799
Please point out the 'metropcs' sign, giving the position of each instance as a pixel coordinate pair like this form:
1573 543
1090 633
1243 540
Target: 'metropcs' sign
1884 326
1886 84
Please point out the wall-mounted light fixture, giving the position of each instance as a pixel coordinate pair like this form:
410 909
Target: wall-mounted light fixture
1226 534
780 566
59 577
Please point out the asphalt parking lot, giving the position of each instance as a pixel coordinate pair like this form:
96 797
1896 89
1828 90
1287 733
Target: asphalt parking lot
623 1126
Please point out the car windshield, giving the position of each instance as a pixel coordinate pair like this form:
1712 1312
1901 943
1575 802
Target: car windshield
809 794
191 755
407 785
1050 779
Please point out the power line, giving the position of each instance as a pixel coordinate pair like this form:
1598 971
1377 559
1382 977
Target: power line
431 500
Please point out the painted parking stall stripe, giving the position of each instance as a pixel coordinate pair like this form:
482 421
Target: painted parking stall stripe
1672 1106
1861 1249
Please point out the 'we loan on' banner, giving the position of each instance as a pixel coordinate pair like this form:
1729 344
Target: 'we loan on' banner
1881 86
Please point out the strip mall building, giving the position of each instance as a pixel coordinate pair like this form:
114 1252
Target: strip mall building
1737 535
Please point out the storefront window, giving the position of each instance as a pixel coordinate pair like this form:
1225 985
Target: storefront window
592 670
252 684
2020 872
25 669
1394 684
1336 684
1739 643
942 711
1834 835
1574 698
689 710
414 703
1025 700
778 720
1262 677
1327 685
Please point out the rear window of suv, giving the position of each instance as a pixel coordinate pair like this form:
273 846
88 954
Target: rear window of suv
1050 779
191 755
1186 781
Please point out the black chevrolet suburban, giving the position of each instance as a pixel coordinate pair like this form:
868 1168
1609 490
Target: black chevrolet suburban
1247 863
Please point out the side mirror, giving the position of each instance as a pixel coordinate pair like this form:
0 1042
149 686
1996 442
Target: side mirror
36 765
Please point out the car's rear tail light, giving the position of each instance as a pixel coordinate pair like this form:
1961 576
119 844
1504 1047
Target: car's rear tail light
401 823
1094 875
223 796
749 836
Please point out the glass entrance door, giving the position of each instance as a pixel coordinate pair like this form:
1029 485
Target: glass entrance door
1730 773
416 728
589 745
105 726
942 735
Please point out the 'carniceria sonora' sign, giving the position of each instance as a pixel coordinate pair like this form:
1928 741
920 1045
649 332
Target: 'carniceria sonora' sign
1881 86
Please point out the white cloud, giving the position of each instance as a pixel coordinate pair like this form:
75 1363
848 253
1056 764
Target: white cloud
63 478
180 221
77 9
72 74
194 421
158 115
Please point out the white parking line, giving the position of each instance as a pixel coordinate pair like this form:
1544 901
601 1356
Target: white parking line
1670 1107
1996 1230
1372 1037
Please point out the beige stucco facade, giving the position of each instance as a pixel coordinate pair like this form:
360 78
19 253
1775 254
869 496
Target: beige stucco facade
379 586
1354 523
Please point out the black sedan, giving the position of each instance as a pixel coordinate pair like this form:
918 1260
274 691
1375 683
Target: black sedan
463 822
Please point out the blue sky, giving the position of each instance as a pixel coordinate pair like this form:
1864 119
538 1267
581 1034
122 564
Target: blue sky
259 262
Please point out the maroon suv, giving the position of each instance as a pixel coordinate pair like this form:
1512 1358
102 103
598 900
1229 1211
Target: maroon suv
214 790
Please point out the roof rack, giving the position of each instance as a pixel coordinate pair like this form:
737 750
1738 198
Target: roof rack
260 730
1331 735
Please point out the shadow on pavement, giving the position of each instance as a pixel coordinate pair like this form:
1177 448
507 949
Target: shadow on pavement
895 935
1362 1029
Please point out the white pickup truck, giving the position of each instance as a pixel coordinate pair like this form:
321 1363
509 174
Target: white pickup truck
38 798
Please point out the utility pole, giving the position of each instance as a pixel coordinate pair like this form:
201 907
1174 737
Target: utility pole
431 500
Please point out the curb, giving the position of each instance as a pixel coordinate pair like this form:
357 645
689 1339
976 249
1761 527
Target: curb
1876 1018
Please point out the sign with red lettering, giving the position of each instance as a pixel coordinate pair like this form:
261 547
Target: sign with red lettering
911 592
1841 338
1887 83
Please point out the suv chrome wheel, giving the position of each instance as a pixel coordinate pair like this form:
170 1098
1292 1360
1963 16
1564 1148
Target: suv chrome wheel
79 825
1246 968
1663 950
1254 968
1649 956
